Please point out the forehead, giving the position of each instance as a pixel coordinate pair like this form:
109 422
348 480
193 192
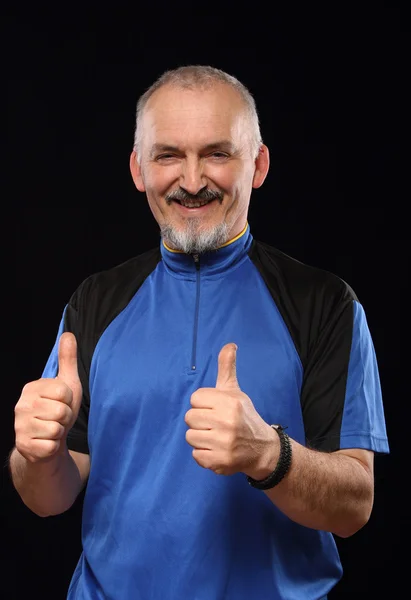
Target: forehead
193 117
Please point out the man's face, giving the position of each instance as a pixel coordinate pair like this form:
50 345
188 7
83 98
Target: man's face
196 165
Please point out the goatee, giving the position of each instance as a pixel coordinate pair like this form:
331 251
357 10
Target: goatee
193 239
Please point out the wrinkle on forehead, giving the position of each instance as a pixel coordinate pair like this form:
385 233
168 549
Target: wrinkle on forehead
177 116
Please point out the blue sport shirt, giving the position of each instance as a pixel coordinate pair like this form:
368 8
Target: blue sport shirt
156 525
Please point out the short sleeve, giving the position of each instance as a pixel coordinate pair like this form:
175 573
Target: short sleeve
341 394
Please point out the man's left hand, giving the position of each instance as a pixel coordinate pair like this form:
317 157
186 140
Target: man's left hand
226 432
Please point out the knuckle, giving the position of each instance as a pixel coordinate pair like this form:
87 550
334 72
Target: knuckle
23 405
231 423
53 446
236 404
22 448
46 449
60 391
234 417
56 430
22 426
21 443
197 458
36 403
187 417
37 450
198 394
61 413
50 447
18 428
27 388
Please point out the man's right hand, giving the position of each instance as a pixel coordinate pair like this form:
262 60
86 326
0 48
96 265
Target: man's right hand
48 408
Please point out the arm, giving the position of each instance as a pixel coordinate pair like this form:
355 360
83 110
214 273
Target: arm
329 488
47 476
50 487
330 491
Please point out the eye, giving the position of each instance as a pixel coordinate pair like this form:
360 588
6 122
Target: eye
219 155
165 156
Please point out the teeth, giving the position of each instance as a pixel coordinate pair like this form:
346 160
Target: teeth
194 204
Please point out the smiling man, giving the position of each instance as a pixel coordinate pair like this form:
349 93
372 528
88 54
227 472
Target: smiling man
219 399
198 153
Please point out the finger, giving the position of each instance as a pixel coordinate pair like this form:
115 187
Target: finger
203 398
213 461
46 430
200 418
68 369
204 458
227 371
52 410
40 449
199 439
56 390
67 359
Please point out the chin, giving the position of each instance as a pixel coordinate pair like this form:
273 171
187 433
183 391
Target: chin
194 238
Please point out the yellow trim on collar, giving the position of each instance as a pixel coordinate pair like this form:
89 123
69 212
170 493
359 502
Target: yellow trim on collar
226 244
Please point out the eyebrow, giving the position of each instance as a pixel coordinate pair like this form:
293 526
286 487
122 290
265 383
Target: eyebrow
219 145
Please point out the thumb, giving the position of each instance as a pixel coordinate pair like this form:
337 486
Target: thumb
68 371
227 371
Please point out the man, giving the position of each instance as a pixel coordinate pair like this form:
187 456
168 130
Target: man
220 400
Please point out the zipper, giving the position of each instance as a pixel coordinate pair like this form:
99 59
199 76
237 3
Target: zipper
196 311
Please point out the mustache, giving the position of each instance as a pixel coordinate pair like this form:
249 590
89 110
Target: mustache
204 194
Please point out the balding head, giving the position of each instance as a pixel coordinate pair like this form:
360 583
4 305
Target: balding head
199 77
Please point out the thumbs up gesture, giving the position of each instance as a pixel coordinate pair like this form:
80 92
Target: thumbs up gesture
48 408
226 432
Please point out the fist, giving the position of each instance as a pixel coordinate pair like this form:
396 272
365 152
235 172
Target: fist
48 408
226 432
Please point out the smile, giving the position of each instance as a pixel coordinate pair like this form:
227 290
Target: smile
191 205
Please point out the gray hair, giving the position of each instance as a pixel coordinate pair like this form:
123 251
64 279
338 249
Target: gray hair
199 76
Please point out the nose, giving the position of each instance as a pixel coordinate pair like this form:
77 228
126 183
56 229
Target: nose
192 178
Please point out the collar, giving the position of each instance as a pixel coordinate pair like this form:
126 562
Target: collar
211 263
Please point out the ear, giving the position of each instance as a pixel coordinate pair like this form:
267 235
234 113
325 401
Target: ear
136 172
262 164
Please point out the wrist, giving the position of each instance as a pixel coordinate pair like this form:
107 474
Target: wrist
267 459
282 467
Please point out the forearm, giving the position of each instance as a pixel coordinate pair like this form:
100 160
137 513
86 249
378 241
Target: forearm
325 491
47 488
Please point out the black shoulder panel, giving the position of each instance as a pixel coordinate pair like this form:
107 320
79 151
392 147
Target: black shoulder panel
317 308
92 307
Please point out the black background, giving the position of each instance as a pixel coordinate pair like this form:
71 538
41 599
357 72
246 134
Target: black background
332 94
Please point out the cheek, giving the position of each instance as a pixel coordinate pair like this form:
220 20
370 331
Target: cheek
159 180
225 178
238 187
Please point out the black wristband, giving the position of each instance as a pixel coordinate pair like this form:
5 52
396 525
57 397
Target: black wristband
284 463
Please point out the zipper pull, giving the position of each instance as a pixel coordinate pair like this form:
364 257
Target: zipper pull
196 261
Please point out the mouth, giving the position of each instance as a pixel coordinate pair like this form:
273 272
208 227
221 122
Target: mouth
197 206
